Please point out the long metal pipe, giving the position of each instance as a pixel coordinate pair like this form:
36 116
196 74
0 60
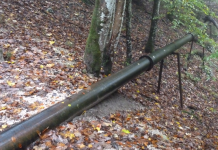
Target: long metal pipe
24 133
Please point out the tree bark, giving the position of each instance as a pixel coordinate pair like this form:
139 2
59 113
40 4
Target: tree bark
128 32
108 50
92 57
104 35
150 45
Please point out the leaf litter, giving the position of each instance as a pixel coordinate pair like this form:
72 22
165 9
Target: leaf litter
43 44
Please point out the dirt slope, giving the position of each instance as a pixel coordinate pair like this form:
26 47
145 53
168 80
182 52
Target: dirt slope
44 42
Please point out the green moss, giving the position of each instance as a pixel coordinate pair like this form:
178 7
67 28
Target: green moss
149 46
92 52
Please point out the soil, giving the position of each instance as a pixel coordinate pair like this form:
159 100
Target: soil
112 104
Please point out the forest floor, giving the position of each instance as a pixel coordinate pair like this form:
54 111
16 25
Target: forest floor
43 44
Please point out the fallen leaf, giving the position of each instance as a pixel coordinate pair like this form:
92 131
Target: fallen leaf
50 65
7 45
81 146
10 83
41 66
90 146
125 131
51 42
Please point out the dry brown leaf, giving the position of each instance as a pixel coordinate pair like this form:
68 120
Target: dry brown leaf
48 143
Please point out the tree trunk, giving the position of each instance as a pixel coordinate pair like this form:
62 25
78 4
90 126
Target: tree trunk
92 56
128 32
104 35
150 46
108 53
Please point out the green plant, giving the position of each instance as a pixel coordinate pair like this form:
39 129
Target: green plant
8 55
193 78
192 114
209 72
186 14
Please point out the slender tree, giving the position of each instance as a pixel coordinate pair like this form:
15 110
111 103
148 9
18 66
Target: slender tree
128 31
150 45
2 21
